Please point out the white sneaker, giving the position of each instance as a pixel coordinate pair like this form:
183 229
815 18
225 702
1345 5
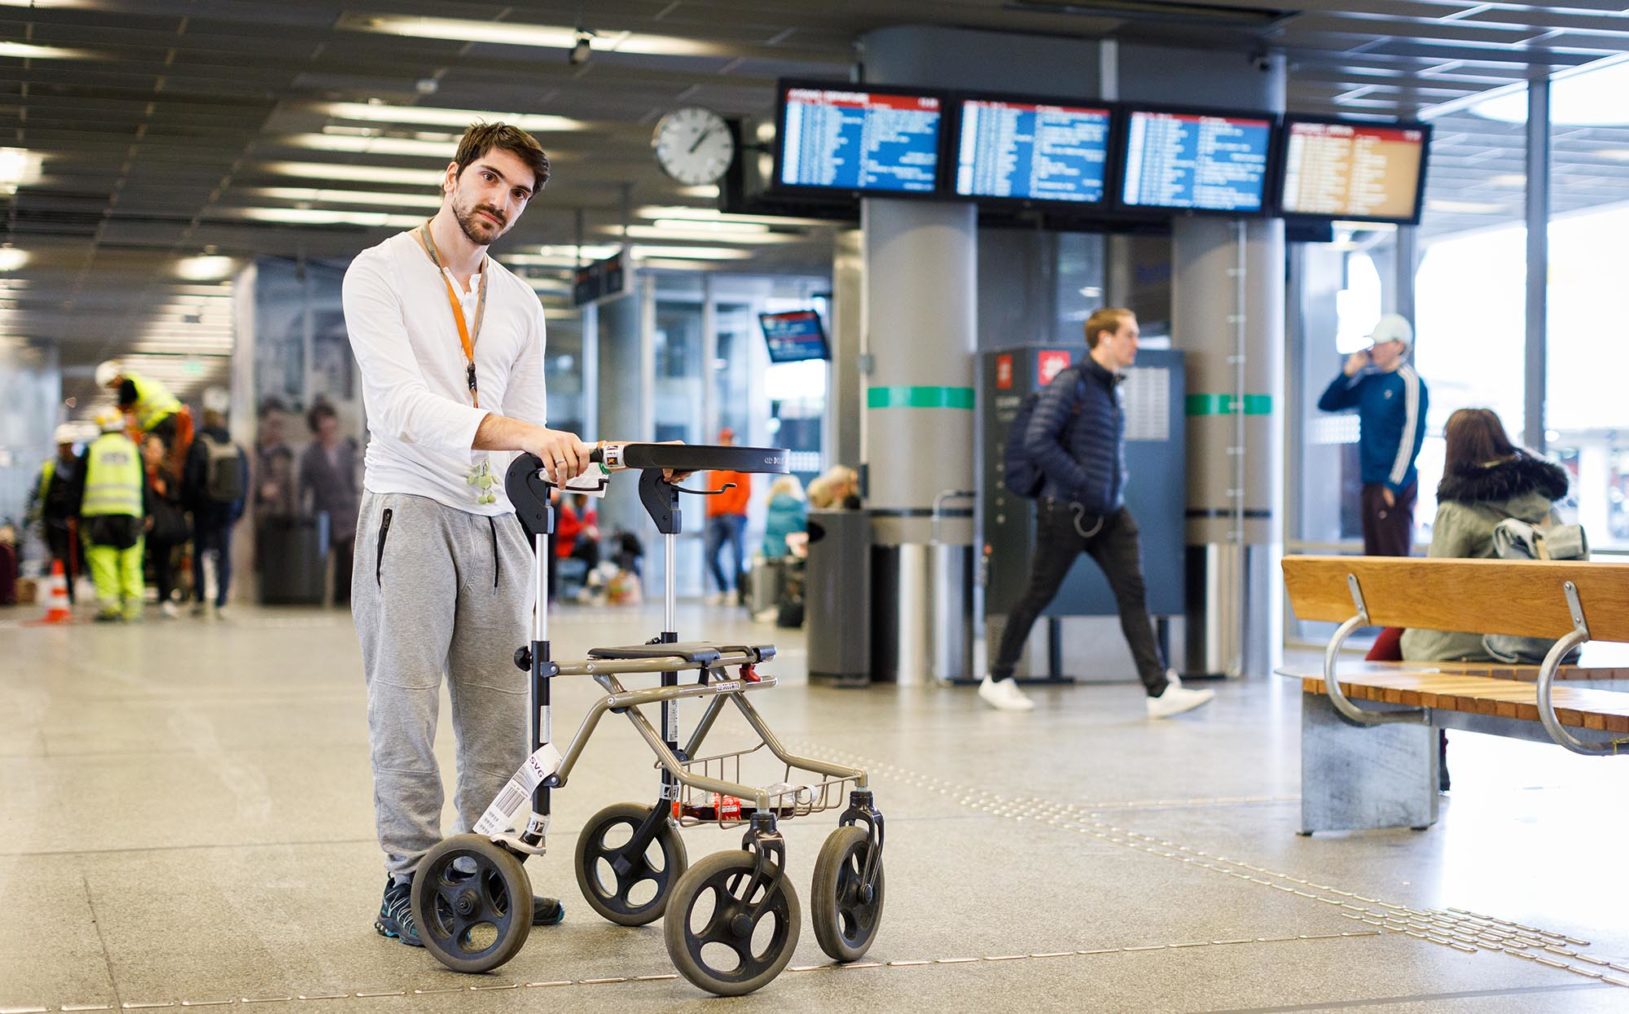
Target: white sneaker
170 609
220 613
1176 700
1004 695
1174 678
715 598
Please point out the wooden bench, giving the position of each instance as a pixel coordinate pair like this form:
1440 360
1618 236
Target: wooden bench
1368 735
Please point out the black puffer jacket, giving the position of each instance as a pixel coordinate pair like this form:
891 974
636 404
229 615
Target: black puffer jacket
1504 480
1077 436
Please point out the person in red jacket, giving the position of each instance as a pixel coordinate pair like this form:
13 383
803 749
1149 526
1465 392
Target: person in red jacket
576 536
727 525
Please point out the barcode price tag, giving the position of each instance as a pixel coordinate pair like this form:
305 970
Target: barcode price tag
500 816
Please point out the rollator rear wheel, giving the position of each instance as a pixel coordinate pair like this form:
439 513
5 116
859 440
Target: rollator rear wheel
845 916
711 935
628 890
472 901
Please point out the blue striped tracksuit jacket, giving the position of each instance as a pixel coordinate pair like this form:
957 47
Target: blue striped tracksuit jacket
1391 421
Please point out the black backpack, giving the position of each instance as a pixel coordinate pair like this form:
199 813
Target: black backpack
1020 473
223 470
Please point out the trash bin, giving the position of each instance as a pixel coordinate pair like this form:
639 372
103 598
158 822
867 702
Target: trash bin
293 561
837 596
923 595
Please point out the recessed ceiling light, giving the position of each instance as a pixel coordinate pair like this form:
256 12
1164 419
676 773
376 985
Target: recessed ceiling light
697 253
714 215
11 258
437 116
679 231
517 34
373 145
319 216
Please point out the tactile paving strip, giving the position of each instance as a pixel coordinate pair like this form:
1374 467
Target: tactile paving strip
365 994
1457 928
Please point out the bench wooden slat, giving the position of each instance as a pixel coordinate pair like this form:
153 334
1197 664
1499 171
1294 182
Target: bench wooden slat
1579 707
1492 670
1481 596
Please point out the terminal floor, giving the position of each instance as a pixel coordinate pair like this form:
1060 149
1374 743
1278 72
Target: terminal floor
186 818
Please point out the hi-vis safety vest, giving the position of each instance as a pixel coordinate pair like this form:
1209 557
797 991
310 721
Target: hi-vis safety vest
154 402
113 477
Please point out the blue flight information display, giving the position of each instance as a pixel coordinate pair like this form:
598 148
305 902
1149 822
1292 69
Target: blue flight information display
793 336
1035 151
1197 161
858 140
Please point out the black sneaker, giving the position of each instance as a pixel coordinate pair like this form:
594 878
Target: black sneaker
547 912
396 914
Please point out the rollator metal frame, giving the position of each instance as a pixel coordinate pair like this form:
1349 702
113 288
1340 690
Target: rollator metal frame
671 758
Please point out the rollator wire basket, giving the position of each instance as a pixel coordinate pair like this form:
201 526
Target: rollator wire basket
787 799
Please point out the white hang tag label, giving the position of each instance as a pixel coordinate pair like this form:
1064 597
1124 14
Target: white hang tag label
593 482
500 816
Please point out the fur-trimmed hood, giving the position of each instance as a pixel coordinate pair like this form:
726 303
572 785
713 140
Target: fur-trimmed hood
1504 480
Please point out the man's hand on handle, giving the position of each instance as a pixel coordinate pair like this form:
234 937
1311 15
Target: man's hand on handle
564 456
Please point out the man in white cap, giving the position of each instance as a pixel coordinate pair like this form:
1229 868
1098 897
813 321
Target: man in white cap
1390 399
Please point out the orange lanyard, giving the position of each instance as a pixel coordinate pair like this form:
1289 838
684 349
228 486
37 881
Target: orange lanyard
429 244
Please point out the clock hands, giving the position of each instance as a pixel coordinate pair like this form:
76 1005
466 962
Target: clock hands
700 138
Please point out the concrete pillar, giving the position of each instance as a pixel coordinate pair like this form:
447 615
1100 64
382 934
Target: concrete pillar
624 411
841 438
1228 319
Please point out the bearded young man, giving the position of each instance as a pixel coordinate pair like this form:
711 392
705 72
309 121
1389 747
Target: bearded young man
450 346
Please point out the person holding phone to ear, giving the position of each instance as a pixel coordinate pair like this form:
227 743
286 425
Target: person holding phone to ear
1390 399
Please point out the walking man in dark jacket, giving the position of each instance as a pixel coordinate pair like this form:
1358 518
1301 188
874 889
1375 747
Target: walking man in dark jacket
1077 436
1391 400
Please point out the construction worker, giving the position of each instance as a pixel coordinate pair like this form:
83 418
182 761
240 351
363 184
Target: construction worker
50 504
152 406
110 502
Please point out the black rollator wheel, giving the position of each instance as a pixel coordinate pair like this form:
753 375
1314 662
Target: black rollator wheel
845 915
630 890
472 901
711 934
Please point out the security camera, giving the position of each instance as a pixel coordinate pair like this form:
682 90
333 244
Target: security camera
582 49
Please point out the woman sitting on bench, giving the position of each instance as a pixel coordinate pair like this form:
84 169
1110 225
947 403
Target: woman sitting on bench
1485 480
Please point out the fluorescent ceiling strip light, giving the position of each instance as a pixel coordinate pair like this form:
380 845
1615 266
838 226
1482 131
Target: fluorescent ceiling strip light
29 51
693 253
722 225
439 116
681 234
515 34
355 173
660 211
327 195
374 145
320 216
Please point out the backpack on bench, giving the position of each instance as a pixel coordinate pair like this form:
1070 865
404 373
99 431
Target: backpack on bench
1515 539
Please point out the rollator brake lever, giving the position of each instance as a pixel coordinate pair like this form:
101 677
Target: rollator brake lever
704 492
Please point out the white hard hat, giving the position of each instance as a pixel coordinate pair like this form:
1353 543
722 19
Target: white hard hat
108 371
1393 327
109 419
216 399
67 433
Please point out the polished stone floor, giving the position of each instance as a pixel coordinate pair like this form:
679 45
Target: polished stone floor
185 819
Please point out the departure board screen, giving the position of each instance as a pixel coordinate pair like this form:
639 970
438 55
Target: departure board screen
1353 170
1032 151
849 139
1198 161
794 335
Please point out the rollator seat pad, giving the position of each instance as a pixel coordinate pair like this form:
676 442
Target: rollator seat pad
694 652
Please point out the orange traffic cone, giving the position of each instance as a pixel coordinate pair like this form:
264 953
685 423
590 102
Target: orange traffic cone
56 598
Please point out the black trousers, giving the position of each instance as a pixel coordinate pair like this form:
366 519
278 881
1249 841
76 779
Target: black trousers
63 547
1063 532
1388 531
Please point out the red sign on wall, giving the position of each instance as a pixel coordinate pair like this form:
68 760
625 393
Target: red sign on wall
1004 372
1051 362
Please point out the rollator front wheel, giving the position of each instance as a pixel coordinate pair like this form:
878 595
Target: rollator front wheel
472 901
628 889
845 915
712 933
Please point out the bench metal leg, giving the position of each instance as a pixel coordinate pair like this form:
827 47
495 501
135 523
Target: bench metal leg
1360 778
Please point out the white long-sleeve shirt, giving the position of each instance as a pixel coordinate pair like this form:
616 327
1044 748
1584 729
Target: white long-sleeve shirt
414 381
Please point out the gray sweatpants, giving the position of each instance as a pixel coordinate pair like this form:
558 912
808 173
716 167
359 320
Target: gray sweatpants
439 591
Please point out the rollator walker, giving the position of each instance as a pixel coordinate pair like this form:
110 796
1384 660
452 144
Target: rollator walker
732 919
